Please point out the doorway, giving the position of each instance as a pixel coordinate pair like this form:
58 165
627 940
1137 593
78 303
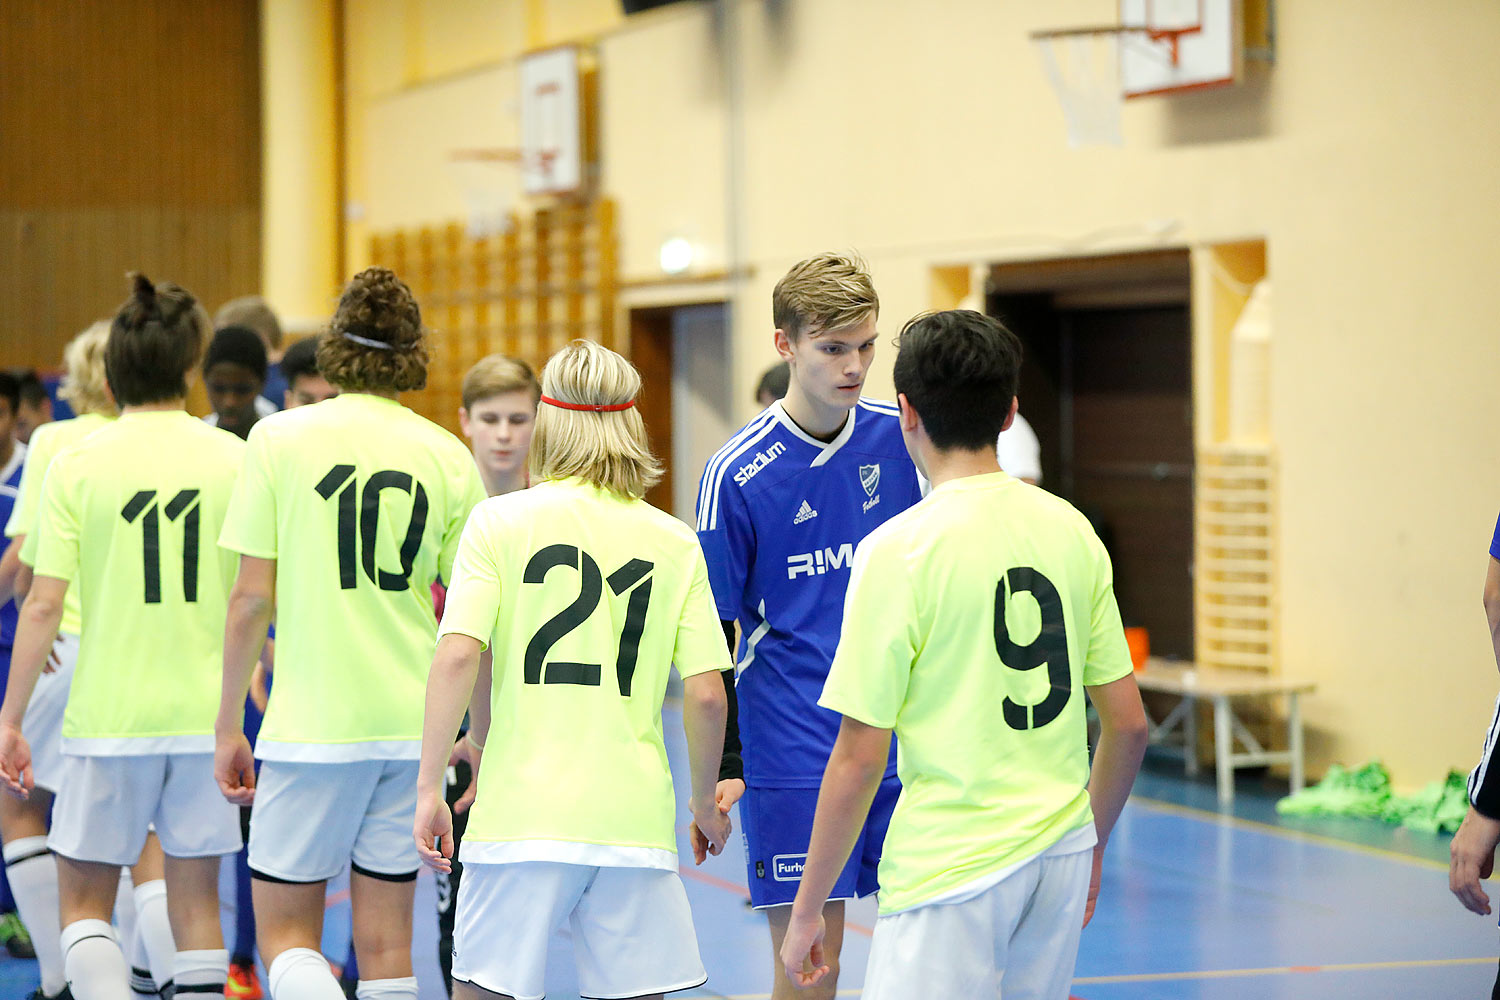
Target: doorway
1107 386
683 355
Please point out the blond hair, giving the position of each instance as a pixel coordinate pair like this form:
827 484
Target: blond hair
828 292
608 449
84 384
497 374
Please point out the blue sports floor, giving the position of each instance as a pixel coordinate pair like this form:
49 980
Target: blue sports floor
1194 905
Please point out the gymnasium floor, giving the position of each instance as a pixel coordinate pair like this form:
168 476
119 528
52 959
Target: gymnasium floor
1194 905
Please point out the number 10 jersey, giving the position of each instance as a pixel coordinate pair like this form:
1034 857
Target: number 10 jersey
361 503
590 598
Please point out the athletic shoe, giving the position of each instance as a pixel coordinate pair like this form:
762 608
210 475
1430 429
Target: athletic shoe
66 993
14 936
243 983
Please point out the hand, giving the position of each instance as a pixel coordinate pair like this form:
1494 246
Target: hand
15 761
728 792
802 949
54 659
433 830
710 830
1472 857
1094 877
467 750
234 768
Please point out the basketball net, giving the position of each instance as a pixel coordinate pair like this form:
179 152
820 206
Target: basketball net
1084 71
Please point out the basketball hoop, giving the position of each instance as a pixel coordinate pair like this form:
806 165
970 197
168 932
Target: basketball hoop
486 195
1083 67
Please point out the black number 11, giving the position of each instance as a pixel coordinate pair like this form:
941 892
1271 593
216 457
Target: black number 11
185 505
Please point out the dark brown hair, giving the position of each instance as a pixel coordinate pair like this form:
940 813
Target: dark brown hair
154 341
377 308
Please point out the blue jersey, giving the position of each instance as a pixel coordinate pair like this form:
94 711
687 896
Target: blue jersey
779 516
10 488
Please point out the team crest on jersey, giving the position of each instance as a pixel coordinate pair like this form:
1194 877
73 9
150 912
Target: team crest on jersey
869 478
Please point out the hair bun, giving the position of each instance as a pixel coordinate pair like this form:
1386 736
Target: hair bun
144 290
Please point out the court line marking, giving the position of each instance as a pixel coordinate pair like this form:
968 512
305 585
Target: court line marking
1286 833
1281 970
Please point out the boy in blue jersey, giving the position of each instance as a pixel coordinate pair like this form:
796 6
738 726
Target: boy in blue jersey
781 508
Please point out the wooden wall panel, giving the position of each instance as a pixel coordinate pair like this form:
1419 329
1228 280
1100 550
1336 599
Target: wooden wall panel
129 140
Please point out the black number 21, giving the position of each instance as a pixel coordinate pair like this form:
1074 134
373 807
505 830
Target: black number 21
636 573
1049 647
185 505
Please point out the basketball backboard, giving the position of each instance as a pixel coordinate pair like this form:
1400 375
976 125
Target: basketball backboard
1172 46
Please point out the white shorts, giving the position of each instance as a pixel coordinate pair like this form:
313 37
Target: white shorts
106 805
42 723
632 929
1018 938
310 820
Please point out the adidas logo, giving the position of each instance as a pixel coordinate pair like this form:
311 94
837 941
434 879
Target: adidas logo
804 513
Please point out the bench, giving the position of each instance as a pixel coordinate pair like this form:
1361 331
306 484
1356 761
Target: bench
1222 687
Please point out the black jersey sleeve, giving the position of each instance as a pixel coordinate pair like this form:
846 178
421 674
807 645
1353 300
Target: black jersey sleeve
731 765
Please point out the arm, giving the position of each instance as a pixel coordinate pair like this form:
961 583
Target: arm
252 603
450 686
1471 856
470 746
704 708
10 565
1122 743
850 781
35 633
732 763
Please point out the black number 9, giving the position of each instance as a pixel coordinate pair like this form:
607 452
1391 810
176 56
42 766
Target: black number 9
1049 647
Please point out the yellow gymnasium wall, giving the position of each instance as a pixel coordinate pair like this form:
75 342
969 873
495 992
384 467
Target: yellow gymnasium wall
925 135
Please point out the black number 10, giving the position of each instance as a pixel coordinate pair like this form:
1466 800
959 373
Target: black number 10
634 574
184 505
1049 647
365 530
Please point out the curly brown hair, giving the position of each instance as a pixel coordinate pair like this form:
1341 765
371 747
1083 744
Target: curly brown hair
376 306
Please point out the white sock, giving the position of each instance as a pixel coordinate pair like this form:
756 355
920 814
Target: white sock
32 871
154 931
302 974
386 989
200 973
95 965
125 911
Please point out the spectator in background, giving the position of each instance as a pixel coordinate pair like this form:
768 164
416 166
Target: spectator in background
304 383
1019 452
773 384
234 373
36 406
253 312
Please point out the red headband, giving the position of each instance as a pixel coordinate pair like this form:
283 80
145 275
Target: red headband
592 407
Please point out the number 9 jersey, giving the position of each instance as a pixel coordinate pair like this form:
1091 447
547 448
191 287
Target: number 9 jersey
361 503
972 625
590 597
129 516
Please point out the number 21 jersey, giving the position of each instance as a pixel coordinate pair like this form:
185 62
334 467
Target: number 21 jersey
361 503
129 516
590 598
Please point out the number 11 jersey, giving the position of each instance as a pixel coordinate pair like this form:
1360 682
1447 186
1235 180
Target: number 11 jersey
590 598
129 516
361 503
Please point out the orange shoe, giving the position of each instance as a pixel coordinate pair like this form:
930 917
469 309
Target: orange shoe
243 983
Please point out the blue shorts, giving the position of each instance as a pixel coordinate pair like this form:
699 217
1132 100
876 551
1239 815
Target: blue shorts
777 825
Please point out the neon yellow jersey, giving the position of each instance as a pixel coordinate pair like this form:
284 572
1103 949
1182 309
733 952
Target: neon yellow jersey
591 598
972 624
361 503
46 442
129 515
